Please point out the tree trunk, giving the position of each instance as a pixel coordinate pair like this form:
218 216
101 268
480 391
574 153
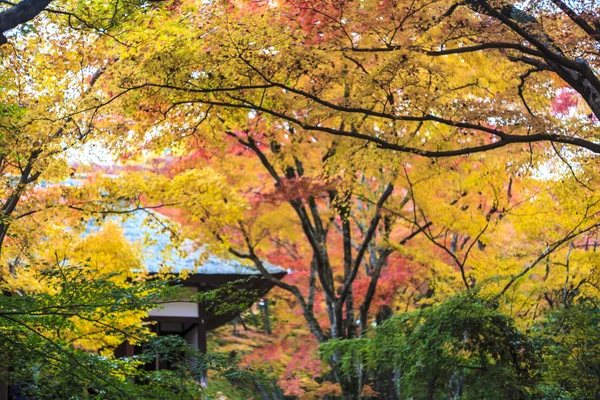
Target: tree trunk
431 387
266 316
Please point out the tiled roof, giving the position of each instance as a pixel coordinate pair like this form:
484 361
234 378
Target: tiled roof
158 252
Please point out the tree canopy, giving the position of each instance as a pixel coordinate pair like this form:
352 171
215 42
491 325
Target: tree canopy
426 170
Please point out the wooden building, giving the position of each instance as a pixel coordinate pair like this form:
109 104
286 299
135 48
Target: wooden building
188 319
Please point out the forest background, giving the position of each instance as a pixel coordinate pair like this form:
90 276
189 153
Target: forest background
425 169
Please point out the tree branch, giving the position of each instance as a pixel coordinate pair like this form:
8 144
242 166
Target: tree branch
367 239
486 46
20 13
306 309
549 249
587 28
507 139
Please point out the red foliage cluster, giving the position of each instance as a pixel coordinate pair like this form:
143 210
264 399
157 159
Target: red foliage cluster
318 19
394 277
197 157
297 188
564 101
256 136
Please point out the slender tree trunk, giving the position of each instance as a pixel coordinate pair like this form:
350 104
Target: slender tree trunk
347 242
266 316
347 384
431 387
396 387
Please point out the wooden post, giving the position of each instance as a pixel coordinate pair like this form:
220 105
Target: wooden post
157 361
4 395
201 331
129 349
264 303
202 328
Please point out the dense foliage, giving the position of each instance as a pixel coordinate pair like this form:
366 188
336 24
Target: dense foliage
465 348
461 347
426 170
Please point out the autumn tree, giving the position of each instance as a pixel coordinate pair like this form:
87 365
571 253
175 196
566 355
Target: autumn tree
70 295
390 84
372 90
415 75
412 80
328 224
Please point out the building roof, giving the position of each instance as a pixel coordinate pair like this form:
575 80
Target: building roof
159 254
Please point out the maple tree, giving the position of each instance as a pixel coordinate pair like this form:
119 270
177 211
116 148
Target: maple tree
329 282
391 153
405 77
71 296
370 81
